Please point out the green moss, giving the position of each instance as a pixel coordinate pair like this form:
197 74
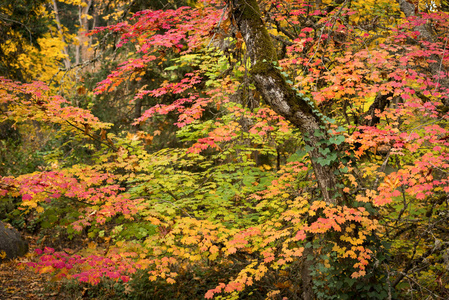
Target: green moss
295 101
250 11
266 56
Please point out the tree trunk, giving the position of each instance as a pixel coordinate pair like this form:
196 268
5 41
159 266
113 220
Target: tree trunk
137 114
425 33
285 101
279 95
82 53
61 33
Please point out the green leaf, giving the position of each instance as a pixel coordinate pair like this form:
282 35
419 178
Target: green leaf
339 139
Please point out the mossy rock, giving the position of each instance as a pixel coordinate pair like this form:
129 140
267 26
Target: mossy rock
11 243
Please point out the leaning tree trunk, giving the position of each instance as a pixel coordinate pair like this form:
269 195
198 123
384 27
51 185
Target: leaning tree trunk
285 101
278 94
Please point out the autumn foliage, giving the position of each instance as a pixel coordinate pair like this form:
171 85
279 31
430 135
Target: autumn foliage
159 154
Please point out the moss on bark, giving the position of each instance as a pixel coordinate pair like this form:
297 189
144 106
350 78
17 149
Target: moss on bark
278 93
263 55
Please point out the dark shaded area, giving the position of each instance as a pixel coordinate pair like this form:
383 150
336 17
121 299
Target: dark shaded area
20 25
11 243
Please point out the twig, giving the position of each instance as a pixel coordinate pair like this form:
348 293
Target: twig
26 27
93 137
382 169
441 64
218 26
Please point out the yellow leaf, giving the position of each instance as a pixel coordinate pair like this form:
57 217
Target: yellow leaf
171 281
46 269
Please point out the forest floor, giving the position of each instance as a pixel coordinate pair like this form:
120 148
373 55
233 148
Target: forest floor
19 282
